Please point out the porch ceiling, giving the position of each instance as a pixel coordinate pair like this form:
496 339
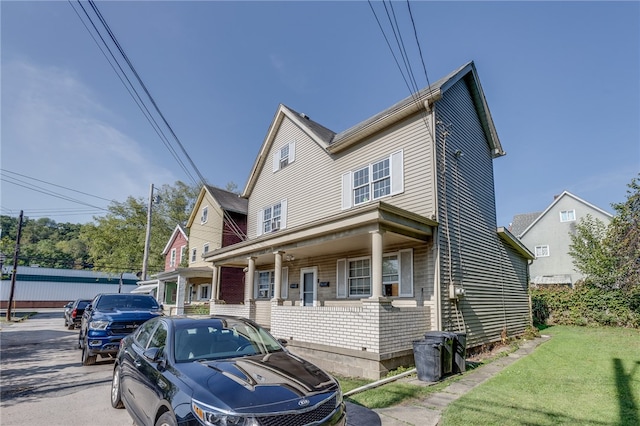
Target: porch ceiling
345 233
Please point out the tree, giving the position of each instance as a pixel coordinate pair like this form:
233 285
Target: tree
116 241
591 256
624 238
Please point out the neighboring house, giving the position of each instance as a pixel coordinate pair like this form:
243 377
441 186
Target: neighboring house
548 235
361 241
176 249
218 219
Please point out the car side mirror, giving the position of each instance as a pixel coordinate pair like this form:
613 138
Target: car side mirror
153 354
283 342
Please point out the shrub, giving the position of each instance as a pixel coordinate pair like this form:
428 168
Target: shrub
586 305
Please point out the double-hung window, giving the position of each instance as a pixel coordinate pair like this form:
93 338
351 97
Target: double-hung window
205 215
284 156
194 254
354 276
172 262
272 218
265 284
205 248
373 181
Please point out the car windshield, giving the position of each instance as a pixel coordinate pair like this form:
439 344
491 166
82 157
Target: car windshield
123 301
216 339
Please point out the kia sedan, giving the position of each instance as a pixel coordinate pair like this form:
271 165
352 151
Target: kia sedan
219 370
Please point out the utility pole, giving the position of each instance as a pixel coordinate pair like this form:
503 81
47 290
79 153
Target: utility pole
15 268
145 258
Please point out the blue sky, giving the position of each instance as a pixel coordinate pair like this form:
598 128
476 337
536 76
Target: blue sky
562 80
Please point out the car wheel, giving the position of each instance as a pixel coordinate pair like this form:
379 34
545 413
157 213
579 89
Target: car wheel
87 358
166 419
116 402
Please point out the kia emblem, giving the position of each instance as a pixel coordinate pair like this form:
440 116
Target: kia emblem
303 402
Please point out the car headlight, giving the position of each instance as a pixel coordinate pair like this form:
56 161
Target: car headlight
98 325
211 416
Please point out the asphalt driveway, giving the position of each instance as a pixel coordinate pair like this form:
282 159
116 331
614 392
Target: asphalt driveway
42 380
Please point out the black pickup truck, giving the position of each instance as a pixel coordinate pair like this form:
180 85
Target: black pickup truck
109 318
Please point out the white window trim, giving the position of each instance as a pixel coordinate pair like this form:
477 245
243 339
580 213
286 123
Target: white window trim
568 212
396 175
205 248
194 255
284 289
204 218
283 218
200 288
540 247
277 156
342 274
172 258
359 296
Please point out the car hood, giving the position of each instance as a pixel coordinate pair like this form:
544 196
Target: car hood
278 381
125 314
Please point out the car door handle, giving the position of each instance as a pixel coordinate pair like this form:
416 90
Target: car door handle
162 384
137 362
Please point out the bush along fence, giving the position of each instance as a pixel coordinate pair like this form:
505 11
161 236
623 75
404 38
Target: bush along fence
586 305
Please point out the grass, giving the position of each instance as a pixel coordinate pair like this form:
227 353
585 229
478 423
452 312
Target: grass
586 376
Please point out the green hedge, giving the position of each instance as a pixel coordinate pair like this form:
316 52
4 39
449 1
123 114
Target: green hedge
586 305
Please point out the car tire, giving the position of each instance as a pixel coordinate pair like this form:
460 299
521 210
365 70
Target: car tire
87 357
116 401
166 419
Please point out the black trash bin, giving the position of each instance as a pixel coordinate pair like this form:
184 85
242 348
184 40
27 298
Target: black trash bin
460 353
446 339
427 356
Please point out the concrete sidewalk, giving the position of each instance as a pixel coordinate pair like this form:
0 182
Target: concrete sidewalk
428 411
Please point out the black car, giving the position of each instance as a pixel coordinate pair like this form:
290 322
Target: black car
73 313
219 370
111 317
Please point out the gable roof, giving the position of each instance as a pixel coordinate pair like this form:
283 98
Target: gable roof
521 222
335 142
556 201
228 201
177 231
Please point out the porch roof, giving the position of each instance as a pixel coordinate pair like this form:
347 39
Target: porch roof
197 272
344 232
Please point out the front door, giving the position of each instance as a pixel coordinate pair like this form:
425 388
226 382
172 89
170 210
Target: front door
308 287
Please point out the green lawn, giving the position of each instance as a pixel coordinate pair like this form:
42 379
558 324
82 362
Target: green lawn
582 376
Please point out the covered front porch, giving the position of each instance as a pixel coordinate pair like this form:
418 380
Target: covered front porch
181 290
349 292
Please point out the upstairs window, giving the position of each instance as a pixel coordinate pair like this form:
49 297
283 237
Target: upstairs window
284 156
172 261
205 248
567 216
542 251
183 251
205 215
272 218
373 181
194 255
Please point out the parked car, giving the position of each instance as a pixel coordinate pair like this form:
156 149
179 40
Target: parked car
219 370
67 308
109 318
73 313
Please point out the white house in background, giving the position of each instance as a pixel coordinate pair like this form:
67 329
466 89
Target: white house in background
547 235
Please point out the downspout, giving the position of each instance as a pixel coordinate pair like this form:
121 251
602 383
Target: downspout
436 215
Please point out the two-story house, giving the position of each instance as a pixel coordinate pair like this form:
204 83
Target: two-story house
218 219
361 241
548 235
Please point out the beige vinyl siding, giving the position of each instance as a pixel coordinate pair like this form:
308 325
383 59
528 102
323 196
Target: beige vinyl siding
203 233
312 185
471 252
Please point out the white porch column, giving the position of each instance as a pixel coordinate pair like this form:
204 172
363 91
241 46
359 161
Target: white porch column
160 294
215 283
376 264
248 280
180 296
277 279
